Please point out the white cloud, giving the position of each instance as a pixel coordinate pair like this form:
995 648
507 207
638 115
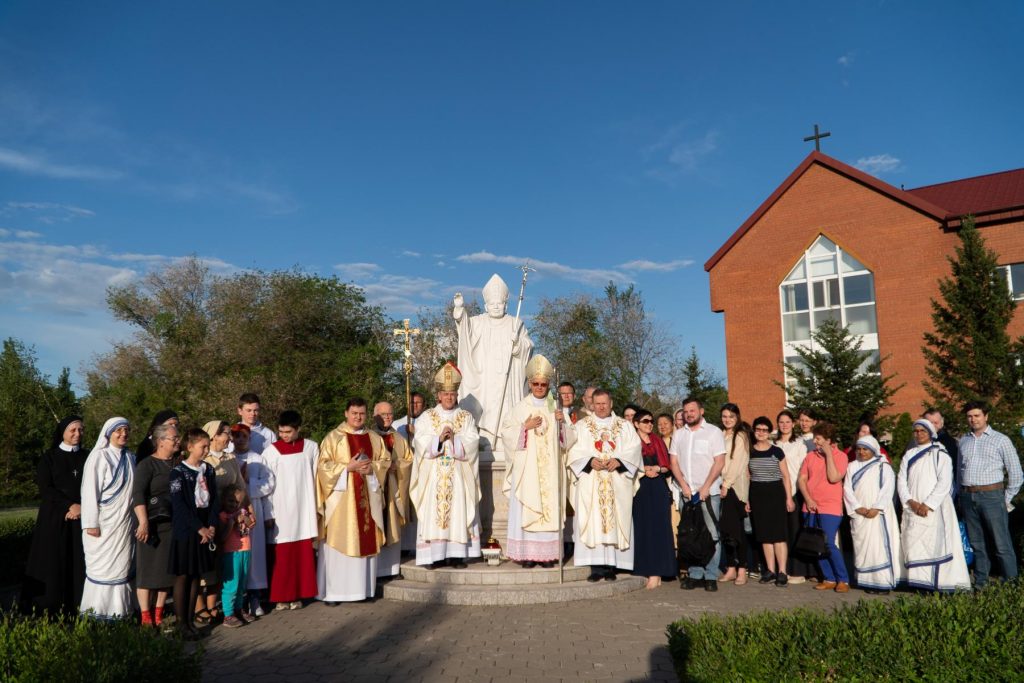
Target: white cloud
879 164
47 212
402 294
27 234
664 267
35 164
411 254
357 271
595 277
847 59
676 153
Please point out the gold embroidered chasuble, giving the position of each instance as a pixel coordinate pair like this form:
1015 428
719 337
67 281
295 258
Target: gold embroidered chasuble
396 488
351 520
445 486
603 501
534 470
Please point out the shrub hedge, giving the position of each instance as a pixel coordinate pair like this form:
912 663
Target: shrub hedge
15 539
915 637
88 650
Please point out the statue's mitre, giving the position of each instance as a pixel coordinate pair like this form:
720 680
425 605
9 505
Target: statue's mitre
448 377
539 366
495 289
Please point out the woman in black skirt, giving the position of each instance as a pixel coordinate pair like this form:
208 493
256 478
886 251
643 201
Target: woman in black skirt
194 508
152 505
654 555
770 500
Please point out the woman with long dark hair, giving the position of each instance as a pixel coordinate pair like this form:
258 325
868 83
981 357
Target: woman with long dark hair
735 487
655 555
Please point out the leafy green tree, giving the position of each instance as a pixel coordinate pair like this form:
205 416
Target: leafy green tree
30 408
300 341
970 354
834 380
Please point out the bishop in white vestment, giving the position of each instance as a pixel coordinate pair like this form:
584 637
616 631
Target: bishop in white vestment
606 461
108 524
535 436
445 487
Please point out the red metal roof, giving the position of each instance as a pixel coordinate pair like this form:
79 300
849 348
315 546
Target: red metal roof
997 196
979 195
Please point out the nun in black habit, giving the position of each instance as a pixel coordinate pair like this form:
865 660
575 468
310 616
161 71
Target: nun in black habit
55 572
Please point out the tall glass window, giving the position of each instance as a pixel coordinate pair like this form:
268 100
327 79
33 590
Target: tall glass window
827 283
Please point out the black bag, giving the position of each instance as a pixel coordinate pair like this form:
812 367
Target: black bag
810 542
696 544
158 509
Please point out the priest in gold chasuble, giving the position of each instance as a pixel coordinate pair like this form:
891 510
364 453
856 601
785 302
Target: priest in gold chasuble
606 462
396 489
445 487
536 436
350 508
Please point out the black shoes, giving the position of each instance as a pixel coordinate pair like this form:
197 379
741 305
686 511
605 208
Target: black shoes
711 585
767 577
687 584
547 565
528 564
594 577
781 580
457 563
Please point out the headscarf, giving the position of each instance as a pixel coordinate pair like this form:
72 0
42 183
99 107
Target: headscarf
211 428
103 440
58 433
871 443
927 425
146 446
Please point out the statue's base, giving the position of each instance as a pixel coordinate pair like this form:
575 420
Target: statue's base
493 503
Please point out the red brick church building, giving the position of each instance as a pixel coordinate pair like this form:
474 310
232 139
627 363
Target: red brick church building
835 242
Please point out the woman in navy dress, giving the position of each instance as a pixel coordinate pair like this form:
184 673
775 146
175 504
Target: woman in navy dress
654 553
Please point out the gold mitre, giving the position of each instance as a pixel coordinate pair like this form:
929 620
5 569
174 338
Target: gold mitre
448 378
495 289
539 366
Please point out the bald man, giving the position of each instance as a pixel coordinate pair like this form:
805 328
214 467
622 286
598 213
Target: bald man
396 491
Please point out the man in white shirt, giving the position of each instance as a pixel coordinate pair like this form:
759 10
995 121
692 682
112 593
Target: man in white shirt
260 436
698 456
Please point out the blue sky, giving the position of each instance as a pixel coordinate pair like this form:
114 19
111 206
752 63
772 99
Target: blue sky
415 148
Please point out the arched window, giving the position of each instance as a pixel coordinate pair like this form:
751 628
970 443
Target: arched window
827 283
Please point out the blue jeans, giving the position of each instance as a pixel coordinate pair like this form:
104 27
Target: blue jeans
833 567
986 510
710 570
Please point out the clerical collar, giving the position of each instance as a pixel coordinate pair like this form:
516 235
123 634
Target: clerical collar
538 401
446 413
68 449
361 430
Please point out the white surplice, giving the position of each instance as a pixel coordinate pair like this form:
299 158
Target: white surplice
932 549
445 486
877 554
107 483
603 501
292 503
261 485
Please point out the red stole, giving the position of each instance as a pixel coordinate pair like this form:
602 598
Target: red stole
286 448
389 440
366 527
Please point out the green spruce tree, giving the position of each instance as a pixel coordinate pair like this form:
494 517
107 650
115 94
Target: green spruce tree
970 354
833 380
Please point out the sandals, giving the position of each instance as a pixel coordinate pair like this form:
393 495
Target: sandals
203 617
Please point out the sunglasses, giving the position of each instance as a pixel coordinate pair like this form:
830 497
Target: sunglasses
646 421
761 429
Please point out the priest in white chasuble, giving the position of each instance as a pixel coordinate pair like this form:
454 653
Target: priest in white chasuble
350 508
445 488
536 436
606 462
396 489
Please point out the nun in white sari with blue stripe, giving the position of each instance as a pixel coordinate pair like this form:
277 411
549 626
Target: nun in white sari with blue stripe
932 549
108 523
868 492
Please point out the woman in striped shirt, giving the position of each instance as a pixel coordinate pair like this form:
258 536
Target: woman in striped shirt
770 498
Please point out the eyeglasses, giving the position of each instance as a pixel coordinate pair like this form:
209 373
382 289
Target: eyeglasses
539 384
645 421
762 429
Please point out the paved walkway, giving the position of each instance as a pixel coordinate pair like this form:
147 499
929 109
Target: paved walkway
613 639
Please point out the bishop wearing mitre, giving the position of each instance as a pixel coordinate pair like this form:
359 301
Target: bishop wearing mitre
445 488
350 508
536 436
605 461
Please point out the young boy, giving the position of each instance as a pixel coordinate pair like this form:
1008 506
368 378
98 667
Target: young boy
291 514
249 412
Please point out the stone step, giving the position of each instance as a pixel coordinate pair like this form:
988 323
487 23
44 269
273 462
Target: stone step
509 594
481 574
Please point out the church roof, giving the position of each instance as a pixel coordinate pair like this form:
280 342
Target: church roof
996 197
995 192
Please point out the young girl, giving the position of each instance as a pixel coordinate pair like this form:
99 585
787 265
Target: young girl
194 508
236 521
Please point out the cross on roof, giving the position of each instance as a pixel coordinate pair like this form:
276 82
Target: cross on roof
817 138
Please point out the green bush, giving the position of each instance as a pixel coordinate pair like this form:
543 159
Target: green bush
15 539
89 650
934 638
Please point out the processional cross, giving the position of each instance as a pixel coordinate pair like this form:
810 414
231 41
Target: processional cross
817 138
408 333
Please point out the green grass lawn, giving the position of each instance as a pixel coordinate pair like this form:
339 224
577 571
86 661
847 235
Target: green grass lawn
16 513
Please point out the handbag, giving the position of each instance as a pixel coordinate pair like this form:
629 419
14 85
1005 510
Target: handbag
810 542
158 509
966 542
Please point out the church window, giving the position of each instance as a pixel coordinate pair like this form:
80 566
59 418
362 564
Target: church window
828 283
